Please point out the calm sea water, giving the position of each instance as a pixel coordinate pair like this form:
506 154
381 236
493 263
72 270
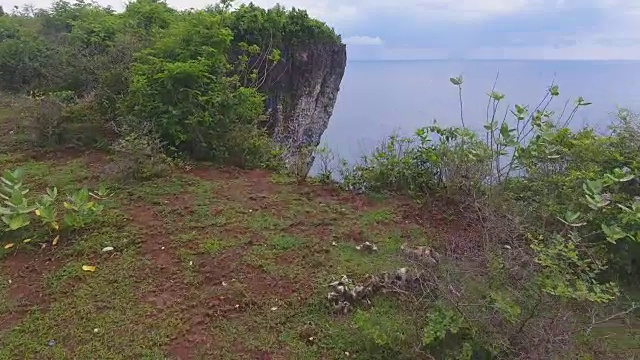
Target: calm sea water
378 98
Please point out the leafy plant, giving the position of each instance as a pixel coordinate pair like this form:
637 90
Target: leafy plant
82 210
16 206
19 209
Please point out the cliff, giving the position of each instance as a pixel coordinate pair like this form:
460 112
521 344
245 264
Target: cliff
301 97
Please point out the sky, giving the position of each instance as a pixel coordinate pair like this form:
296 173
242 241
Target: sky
468 29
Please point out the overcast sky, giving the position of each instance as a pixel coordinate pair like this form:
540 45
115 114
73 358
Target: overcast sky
470 29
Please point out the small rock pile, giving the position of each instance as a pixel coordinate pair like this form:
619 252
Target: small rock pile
423 254
344 293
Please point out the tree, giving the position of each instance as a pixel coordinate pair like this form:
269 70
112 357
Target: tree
1 11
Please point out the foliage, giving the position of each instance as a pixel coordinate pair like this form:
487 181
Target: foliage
180 84
566 201
324 157
22 56
62 118
20 209
139 156
198 76
385 328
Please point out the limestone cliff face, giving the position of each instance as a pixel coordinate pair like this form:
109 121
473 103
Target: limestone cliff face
301 96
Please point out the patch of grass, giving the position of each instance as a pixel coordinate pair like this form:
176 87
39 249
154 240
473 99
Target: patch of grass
69 175
36 171
263 221
284 249
282 179
619 336
377 217
204 222
7 113
64 175
274 326
113 230
5 304
210 244
215 246
65 276
377 197
186 238
189 264
203 189
201 217
352 261
10 158
286 242
263 258
94 322
418 235
156 191
307 331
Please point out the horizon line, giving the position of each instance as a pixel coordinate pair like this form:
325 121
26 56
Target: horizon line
492 60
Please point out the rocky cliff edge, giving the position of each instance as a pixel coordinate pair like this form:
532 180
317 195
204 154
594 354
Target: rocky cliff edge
301 98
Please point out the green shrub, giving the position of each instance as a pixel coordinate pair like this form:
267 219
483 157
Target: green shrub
20 209
182 85
139 156
62 118
199 76
566 204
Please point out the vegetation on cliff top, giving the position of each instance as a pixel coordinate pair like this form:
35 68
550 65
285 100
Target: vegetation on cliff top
518 240
190 80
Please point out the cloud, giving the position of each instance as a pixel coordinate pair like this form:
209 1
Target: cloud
532 29
363 40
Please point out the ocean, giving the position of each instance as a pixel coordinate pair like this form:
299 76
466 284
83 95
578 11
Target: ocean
382 97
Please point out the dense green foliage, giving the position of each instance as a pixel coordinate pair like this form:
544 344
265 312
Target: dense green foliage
563 204
194 78
20 208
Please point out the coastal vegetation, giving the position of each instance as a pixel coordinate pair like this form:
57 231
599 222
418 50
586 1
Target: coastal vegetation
147 213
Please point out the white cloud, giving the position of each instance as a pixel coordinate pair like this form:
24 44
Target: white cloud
455 9
327 10
350 10
550 29
363 40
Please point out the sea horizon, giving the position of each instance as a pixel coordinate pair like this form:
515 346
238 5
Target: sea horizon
496 60
379 97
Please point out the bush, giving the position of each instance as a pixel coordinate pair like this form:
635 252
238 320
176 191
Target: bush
559 212
19 209
62 118
199 76
140 157
182 85
46 120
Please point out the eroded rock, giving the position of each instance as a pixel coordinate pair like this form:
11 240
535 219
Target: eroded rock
302 93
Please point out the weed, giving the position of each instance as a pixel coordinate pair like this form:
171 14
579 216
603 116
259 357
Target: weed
262 221
377 217
286 242
214 246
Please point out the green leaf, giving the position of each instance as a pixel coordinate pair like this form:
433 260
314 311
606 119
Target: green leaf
571 216
504 130
613 233
456 80
17 221
595 186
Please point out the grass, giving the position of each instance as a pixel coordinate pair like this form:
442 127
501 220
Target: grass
92 321
235 267
269 252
